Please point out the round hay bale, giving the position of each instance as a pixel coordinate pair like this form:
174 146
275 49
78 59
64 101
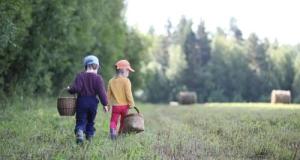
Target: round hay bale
187 97
281 96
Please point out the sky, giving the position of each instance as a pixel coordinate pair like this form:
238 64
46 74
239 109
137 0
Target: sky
274 19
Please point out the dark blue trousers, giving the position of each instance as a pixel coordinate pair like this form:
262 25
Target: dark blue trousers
86 110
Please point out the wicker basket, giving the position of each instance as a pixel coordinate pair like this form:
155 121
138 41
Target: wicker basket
66 106
134 122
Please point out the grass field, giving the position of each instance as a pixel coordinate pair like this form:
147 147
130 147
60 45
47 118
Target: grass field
32 129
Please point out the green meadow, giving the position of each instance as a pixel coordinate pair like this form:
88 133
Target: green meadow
32 129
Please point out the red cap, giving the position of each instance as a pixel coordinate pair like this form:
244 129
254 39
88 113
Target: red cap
124 64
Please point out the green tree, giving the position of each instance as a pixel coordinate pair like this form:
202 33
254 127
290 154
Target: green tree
43 42
261 65
237 33
15 18
197 53
296 80
232 80
135 52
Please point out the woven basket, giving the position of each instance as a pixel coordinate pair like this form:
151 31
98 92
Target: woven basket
134 122
66 106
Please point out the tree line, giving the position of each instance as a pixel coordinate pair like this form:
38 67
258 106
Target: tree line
222 66
42 44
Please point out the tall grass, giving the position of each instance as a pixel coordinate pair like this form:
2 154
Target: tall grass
32 129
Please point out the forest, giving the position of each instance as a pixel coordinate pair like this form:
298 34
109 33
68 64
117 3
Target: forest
42 44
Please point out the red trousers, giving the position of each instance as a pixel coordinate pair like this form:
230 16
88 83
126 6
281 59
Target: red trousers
118 111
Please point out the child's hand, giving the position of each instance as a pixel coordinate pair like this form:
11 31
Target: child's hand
130 107
106 109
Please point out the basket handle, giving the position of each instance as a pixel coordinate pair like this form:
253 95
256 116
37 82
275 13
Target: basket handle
137 110
64 89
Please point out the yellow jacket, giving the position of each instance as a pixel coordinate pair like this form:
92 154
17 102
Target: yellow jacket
119 92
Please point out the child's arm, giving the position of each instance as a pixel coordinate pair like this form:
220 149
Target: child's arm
76 86
100 89
128 93
109 94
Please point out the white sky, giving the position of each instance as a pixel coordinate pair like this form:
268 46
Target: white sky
267 18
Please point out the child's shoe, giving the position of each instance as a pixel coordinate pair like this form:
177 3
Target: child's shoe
79 137
113 134
89 137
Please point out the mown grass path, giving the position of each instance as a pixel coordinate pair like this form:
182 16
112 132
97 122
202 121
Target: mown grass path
32 129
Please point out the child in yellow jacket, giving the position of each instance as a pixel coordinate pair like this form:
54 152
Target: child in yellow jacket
119 96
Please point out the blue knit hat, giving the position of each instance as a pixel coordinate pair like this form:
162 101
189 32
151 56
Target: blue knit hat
91 59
